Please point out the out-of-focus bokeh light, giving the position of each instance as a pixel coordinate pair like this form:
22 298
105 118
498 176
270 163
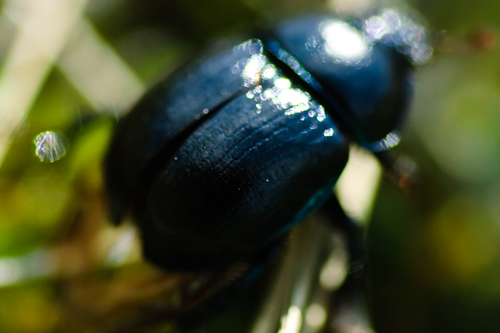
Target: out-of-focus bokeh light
462 244
50 146
461 131
315 316
358 184
291 323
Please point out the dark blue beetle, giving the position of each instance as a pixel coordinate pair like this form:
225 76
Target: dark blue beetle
218 161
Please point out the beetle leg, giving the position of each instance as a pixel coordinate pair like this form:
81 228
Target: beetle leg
401 170
353 233
349 308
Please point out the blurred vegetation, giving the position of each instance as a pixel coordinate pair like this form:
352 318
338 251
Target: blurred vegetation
434 252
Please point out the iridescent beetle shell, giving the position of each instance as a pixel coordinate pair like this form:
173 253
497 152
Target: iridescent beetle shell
218 161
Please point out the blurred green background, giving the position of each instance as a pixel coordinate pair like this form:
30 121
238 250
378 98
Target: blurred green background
74 66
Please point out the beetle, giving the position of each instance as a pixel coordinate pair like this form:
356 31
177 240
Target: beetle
219 160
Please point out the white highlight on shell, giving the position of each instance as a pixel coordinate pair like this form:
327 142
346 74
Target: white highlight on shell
344 43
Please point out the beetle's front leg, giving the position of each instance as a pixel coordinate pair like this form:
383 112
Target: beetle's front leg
399 169
349 306
353 233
